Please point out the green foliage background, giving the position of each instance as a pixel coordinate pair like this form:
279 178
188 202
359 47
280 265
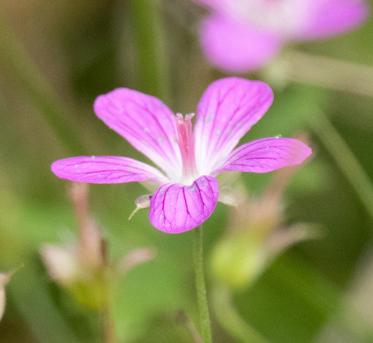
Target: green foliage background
55 58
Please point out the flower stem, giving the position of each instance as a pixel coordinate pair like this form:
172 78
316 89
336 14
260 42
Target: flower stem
345 159
327 72
37 88
107 317
150 47
108 325
203 309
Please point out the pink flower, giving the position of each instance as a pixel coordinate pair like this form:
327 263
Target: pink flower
243 35
188 159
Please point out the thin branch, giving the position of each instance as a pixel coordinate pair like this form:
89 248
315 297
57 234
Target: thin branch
327 72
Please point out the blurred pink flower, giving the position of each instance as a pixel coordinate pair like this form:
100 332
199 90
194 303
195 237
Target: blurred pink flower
243 35
188 160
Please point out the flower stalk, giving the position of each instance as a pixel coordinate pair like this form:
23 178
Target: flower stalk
330 73
93 254
108 324
149 40
202 301
37 88
91 244
345 159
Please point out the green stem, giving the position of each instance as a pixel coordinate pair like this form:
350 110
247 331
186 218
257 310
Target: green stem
202 302
107 316
327 72
39 312
231 320
108 324
37 88
150 47
345 159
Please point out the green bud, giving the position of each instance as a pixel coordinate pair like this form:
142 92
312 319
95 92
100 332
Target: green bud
237 260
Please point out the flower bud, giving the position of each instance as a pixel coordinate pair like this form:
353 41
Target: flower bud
256 235
237 260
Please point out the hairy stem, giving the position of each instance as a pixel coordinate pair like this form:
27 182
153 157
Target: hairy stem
202 302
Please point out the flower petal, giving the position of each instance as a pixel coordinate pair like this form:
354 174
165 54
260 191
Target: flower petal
227 110
234 46
105 169
266 155
327 18
145 122
176 208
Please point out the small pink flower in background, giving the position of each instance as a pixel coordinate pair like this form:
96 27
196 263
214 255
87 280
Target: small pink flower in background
188 159
244 35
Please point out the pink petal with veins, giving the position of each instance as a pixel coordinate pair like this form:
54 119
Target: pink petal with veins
105 169
266 155
145 122
176 208
227 110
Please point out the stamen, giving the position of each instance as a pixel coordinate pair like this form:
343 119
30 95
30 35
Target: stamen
185 140
141 202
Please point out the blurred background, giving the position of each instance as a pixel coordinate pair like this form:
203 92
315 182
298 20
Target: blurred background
55 58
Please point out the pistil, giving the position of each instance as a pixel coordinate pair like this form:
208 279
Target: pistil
185 140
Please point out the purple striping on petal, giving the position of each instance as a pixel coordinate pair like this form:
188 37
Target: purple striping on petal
231 107
143 132
145 122
176 208
188 193
105 169
266 155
